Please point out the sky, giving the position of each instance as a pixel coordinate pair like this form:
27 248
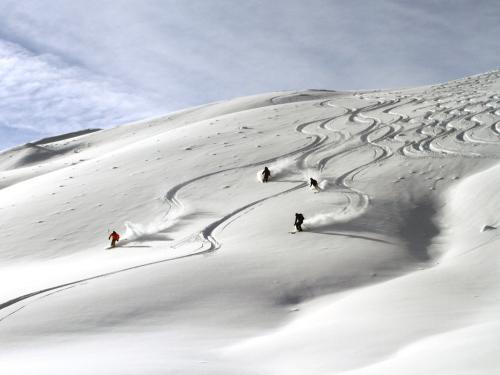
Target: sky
71 65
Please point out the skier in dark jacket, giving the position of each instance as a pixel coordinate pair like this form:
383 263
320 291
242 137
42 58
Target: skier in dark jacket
314 184
114 237
266 174
299 219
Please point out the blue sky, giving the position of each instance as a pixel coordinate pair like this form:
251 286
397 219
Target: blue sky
69 65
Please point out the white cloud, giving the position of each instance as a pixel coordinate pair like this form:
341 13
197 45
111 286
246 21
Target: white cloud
40 95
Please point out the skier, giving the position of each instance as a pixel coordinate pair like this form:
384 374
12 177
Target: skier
299 219
266 174
314 184
114 237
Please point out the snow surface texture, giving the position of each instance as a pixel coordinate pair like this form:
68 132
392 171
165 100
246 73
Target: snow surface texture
395 273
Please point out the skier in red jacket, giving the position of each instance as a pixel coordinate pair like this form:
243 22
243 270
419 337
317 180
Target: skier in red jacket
114 237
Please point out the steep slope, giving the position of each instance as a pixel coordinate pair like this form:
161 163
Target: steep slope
397 262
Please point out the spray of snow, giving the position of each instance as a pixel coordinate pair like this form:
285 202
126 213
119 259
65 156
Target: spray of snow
330 218
144 232
152 231
259 176
279 169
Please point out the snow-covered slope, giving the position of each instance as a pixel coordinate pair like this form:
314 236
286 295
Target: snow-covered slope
396 271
